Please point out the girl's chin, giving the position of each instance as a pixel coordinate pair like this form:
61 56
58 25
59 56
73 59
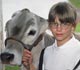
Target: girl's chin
59 38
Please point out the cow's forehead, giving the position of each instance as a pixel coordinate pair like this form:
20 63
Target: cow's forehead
26 26
22 17
20 20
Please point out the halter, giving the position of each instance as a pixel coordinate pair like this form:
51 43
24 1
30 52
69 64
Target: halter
26 46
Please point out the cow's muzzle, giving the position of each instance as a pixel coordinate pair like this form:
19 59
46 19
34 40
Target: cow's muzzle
6 57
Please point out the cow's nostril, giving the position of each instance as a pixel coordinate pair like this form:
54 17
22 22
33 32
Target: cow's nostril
6 57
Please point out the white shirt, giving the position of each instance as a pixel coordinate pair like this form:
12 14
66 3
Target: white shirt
64 57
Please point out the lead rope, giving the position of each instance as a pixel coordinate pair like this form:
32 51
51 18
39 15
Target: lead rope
76 65
41 60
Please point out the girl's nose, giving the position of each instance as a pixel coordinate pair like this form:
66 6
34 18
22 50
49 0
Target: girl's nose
59 27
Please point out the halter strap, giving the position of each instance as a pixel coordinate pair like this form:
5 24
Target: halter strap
25 45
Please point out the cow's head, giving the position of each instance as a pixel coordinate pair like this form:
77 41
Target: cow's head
23 30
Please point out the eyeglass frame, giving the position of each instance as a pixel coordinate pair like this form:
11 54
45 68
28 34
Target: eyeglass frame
61 25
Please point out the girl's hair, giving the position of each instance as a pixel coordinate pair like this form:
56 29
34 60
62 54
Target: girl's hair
64 11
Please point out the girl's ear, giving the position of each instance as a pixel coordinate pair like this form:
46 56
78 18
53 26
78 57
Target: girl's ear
74 25
73 29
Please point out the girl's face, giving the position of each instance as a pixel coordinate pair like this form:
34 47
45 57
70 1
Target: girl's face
61 31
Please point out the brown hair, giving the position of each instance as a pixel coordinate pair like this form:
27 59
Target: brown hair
64 11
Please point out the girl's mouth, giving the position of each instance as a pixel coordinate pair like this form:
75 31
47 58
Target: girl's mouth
59 34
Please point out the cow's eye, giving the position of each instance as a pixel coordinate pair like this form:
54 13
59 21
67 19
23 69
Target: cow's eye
32 32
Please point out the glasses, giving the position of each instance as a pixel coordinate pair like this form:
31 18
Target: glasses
61 25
